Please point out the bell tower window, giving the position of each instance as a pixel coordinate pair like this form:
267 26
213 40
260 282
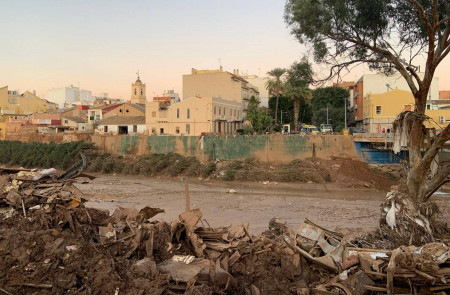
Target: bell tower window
142 92
135 92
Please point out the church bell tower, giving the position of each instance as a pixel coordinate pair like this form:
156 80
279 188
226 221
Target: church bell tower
138 92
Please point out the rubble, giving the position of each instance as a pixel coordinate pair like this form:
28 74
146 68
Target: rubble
50 243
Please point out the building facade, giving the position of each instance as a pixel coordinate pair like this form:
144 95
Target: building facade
260 84
219 84
377 84
12 102
69 95
380 111
194 116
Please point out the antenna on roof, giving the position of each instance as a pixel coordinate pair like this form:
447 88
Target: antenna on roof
137 73
220 62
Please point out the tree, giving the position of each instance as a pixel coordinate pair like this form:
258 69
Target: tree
285 106
258 116
276 85
334 98
300 75
388 36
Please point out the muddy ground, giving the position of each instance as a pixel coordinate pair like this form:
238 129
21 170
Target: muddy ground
344 206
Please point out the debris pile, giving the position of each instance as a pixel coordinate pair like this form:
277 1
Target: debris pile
50 243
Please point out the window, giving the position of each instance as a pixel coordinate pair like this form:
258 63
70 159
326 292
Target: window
177 130
214 110
161 130
378 108
120 110
134 128
231 112
235 112
441 119
66 121
142 93
428 107
178 113
188 128
220 111
188 113
106 128
127 111
135 91
153 114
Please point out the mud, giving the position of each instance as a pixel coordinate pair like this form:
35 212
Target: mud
335 206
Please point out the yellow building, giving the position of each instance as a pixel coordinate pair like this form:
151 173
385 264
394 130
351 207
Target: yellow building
11 102
380 111
194 116
220 84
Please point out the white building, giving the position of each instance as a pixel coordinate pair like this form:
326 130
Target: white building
69 95
260 83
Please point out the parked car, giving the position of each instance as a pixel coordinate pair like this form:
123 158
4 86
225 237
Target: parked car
326 128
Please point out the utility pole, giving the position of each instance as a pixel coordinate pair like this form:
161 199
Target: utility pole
327 114
281 121
345 113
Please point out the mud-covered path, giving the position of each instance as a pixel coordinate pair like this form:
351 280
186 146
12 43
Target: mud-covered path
350 211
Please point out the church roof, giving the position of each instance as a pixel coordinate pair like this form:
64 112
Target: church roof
120 120
138 81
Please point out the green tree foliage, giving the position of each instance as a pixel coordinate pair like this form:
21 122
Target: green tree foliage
286 105
300 75
276 86
258 116
328 96
334 98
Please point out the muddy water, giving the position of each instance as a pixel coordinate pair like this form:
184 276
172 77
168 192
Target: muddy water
350 211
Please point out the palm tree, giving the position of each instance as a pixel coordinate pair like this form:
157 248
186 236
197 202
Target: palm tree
276 85
300 75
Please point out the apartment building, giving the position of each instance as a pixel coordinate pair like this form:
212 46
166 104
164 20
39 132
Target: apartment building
194 116
377 84
380 111
219 84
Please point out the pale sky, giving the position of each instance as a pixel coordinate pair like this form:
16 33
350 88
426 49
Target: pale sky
100 45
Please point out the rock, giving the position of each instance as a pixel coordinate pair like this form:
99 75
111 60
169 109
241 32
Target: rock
231 191
335 167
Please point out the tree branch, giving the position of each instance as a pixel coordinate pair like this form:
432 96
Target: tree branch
422 14
436 181
435 147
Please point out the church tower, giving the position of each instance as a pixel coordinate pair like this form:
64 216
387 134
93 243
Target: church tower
138 92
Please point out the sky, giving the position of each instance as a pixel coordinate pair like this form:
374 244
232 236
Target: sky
100 45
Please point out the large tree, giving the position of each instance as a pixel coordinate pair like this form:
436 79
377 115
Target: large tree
276 85
389 36
299 76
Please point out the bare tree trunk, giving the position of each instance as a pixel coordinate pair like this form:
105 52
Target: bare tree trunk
296 112
276 110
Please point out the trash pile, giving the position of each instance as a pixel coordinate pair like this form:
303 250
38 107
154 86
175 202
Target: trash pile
50 243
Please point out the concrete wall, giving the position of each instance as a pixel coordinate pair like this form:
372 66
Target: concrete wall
264 148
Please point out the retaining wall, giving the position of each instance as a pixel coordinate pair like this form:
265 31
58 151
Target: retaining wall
264 147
